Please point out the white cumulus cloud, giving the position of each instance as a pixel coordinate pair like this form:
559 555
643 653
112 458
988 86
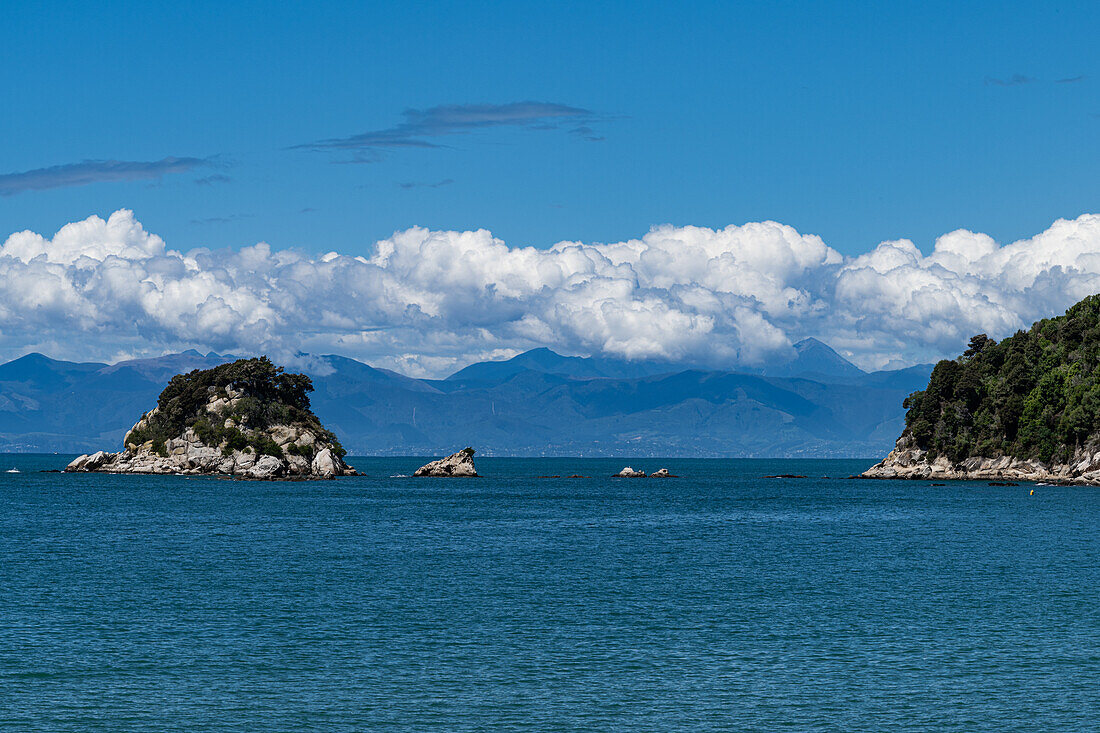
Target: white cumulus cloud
426 302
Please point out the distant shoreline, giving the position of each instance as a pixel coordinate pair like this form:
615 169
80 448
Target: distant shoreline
489 456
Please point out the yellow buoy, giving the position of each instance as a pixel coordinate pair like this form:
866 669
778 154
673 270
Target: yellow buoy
1032 493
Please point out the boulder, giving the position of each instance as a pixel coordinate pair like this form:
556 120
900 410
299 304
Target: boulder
244 460
298 466
661 473
327 464
89 462
456 464
283 435
266 467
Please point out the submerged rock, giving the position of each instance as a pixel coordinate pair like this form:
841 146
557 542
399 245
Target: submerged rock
459 464
247 419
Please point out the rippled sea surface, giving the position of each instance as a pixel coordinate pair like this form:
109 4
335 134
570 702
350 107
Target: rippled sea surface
720 600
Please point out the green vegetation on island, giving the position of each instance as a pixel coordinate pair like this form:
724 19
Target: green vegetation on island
265 396
1034 395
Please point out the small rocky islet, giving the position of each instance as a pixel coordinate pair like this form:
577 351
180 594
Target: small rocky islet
1024 409
456 465
629 472
247 419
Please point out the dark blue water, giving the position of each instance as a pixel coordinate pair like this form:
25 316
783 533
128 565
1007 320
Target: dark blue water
717 601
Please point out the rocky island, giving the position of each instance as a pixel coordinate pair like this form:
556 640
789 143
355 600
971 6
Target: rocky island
1027 408
248 419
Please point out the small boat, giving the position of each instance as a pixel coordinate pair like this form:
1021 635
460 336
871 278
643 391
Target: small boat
12 470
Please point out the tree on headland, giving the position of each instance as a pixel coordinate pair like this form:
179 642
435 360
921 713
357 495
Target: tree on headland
1034 395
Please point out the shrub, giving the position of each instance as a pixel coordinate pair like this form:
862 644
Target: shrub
265 446
305 451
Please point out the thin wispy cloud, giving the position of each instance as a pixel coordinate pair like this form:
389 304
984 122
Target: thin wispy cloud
95 171
586 133
423 127
212 179
1070 80
422 184
1013 81
221 219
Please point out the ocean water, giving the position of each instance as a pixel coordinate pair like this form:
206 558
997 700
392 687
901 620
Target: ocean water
720 600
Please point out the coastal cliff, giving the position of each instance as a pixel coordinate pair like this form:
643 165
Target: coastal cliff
1027 408
248 419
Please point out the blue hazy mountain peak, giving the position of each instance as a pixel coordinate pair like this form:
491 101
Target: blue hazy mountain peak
539 360
548 361
38 360
41 370
346 370
163 368
815 359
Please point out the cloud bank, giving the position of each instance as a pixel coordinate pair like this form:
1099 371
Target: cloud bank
427 302
95 171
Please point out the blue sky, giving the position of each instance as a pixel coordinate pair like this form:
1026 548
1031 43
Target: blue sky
900 147
859 122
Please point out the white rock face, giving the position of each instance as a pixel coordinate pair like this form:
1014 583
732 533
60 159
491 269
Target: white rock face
629 472
327 464
267 467
186 454
661 473
298 465
456 464
907 461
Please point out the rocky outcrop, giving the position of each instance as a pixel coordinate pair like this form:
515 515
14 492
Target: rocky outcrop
459 464
91 462
232 434
908 461
629 472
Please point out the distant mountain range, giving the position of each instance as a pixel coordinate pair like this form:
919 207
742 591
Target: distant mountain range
537 403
